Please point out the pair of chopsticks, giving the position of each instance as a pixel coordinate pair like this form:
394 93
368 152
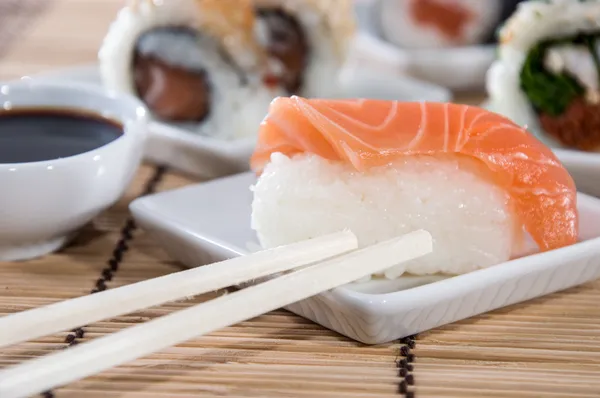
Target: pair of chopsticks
319 264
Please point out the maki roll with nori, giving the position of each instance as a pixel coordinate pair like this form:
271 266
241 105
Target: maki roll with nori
547 76
195 63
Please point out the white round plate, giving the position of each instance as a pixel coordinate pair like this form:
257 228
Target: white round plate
206 157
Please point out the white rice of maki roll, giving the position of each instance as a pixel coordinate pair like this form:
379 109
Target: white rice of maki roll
438 23
307 42
547 75
195 63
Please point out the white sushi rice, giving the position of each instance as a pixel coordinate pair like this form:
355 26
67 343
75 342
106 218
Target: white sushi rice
325 61
237 108
399 27
533 22
468 216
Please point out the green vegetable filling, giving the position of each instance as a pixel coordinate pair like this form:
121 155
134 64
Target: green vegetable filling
549 93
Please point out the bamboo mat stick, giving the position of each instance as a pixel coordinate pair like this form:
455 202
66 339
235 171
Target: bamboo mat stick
87 359
65 315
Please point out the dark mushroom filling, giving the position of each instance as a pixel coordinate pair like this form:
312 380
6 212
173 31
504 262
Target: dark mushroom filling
171 90
287 43
565 111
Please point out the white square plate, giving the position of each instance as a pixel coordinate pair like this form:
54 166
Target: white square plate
207 157
207 222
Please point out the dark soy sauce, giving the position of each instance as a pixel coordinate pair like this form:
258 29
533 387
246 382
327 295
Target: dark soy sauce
38 134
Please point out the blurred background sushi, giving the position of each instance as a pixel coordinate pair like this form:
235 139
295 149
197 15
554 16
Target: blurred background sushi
447 42
547 75
441 23
195 63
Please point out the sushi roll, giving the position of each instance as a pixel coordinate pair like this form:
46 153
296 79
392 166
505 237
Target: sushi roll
307 42
414 24
546 76
480 184
195 63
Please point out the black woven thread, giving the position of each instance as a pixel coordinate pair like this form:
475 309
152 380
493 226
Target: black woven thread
114 262
405 366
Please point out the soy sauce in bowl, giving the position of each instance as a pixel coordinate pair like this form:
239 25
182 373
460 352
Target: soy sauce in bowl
68 151
40 134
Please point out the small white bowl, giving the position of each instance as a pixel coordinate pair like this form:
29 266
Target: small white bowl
207 157
42 204
209 222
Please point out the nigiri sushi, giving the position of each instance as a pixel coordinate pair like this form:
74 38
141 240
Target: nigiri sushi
440 23
307 42
547 75
479 183
195 63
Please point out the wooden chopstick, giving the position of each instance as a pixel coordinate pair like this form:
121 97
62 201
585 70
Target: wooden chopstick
90 358
69 314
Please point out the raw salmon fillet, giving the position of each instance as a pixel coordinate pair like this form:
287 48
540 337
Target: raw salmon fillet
371 133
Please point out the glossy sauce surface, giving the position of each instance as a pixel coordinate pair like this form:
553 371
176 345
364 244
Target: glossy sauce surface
39 134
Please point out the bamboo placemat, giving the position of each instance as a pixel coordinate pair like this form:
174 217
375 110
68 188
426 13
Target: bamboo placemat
15 15
545 347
